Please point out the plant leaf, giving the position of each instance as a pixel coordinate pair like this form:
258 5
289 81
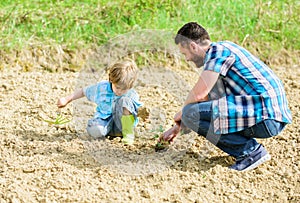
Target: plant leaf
58 121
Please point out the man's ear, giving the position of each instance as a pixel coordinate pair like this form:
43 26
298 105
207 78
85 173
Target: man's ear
193 46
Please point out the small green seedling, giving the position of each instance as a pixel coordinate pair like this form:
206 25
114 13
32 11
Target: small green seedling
158 132
59 120
156 136
162 145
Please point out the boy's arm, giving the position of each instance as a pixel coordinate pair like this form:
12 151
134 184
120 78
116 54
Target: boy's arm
77 94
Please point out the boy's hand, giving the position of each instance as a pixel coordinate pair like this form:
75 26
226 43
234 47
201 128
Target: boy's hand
62 102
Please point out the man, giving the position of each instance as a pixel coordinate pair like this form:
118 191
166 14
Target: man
236 99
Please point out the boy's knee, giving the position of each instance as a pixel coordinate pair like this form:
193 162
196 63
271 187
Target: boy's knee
97 131
126 111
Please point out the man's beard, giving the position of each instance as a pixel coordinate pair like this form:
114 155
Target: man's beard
198 60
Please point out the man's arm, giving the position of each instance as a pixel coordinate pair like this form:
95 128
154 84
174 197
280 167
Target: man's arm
199 92
204 85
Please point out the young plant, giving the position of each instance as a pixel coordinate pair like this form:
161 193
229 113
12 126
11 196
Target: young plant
161 144
59 119
158 132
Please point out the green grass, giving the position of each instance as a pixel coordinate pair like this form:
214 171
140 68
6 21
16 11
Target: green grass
263 26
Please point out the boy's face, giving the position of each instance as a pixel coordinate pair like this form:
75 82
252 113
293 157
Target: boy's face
118 90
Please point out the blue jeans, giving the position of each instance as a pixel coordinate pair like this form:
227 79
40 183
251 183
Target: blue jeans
198 117
99 127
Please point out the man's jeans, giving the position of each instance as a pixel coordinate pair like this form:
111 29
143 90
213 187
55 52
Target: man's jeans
198 116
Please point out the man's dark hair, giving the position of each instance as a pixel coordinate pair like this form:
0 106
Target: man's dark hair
191 31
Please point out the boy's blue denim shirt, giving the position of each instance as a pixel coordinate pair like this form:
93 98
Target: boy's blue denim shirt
103 95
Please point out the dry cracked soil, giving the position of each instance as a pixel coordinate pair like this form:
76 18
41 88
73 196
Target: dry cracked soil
59 163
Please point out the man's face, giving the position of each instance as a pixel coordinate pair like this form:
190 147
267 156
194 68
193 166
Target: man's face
192 53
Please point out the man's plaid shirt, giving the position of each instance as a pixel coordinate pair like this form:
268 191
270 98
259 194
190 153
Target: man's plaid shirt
247 91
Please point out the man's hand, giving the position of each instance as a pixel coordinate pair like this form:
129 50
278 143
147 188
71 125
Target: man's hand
170 134
177 117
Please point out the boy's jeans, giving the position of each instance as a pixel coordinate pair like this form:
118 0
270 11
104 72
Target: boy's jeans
198 116
99 128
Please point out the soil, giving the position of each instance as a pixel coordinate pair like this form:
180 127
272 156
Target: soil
59 163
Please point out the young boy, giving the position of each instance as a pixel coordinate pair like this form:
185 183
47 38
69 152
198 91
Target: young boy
117 103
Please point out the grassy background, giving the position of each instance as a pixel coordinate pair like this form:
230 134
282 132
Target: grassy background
268 28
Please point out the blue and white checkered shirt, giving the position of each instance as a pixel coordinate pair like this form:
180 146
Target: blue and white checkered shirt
248 90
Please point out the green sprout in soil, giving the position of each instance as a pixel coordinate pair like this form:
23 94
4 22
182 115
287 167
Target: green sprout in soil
157 132
59 120
161 144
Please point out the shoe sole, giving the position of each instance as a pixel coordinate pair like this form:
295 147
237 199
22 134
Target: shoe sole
262 160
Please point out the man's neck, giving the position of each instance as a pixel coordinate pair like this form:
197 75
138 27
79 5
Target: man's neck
206 46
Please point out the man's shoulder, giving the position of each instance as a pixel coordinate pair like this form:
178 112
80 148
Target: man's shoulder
230 45
225 42
221 49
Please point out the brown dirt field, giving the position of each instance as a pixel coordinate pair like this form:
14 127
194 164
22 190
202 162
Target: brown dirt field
48 163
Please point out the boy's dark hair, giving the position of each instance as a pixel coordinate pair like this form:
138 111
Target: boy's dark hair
192 31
